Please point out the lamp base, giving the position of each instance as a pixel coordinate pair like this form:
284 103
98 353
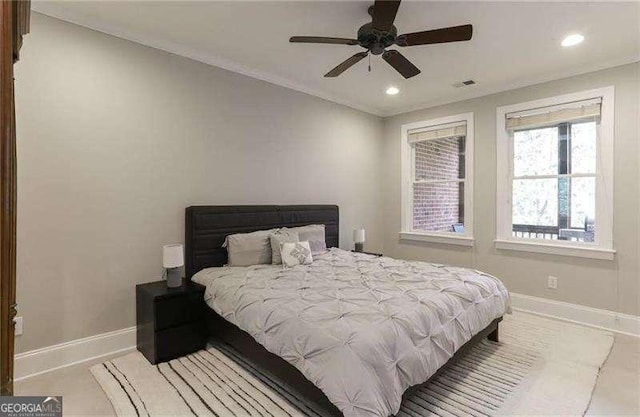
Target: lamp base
359 247
174 280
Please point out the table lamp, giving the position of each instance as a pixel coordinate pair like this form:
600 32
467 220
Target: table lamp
172 260
358 239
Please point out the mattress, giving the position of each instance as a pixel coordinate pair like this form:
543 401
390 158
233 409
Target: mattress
361 328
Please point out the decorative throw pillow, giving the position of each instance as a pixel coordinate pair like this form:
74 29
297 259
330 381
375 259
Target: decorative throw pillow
298 253
314 234
279 237
247 249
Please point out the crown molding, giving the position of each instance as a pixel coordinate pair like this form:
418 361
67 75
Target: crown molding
209 59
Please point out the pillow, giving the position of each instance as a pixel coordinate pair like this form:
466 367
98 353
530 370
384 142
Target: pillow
247 249
314 234
279 237
298 253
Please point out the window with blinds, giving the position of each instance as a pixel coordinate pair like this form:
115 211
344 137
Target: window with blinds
438 178
555 172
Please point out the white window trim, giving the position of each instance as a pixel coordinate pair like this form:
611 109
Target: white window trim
407 232
556 248
602 248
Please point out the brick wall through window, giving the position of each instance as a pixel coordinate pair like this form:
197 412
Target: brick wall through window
438 206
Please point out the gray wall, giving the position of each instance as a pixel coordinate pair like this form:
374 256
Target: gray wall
116 139
611 285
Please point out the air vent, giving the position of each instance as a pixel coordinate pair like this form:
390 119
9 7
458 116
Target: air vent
464 83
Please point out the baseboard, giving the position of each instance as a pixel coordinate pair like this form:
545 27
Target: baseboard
54 357
589 316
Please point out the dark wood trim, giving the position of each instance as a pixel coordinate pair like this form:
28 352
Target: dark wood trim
14 16
21 24
7 199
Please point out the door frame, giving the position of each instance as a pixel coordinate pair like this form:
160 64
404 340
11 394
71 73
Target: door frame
14 18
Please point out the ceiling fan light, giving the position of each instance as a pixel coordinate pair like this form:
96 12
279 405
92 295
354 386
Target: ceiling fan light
392 91
572 40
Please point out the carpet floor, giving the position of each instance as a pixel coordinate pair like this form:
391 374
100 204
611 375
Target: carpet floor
540 366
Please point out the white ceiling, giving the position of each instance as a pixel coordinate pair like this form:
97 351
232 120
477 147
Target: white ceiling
514 44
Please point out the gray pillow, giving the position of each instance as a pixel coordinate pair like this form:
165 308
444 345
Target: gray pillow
279 237
247 249
314 234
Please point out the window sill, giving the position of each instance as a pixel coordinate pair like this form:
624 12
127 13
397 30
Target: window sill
557 249
447 239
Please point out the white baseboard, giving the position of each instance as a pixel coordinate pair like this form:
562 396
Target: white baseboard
589 316
54 357
47 359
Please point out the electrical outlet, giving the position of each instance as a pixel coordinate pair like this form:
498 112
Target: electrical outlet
18 322
552 282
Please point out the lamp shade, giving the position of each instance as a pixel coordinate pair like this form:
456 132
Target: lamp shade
358 235
172 256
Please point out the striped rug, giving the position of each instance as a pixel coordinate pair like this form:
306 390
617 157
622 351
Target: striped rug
540 366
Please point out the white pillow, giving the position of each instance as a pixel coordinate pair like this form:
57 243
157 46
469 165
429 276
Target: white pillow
314 234
297 253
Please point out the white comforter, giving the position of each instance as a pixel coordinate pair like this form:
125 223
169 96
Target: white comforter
361 328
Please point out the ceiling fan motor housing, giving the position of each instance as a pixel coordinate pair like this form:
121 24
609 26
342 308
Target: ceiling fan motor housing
376 40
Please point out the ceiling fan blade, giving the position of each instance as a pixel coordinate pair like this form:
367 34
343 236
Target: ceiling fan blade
400 63
451 34
346 64
384 13
320 39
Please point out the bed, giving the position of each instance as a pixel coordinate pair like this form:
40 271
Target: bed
351 332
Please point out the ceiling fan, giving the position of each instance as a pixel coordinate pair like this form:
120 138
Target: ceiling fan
378 35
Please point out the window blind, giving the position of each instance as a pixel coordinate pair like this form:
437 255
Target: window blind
450 130
547 116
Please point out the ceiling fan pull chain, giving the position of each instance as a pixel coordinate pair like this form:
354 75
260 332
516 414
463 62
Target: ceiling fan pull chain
369 55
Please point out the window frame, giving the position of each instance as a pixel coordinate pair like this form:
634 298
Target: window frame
407 232
602 247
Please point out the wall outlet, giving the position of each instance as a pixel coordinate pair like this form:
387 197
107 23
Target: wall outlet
18 322
552 282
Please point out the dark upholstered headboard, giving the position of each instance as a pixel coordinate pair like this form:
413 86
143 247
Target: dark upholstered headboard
206 227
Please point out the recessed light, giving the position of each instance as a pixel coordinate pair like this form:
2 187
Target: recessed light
572 40
392 91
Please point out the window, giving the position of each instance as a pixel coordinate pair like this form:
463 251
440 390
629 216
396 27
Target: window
554 172
436 180
555 175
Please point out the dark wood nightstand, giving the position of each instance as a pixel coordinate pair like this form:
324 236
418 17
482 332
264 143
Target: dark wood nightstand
368 253
170 321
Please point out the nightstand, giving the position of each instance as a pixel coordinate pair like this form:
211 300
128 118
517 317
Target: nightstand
170 321
368 253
